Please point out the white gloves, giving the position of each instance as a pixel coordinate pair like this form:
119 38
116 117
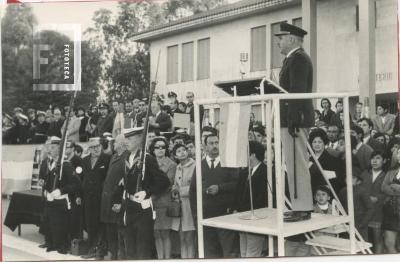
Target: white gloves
139 196
56 193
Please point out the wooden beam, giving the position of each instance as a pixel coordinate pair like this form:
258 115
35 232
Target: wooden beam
309 22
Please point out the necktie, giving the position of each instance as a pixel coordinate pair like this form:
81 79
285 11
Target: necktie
212 163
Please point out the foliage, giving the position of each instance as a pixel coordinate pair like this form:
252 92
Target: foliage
17 43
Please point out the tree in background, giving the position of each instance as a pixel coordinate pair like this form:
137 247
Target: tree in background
126 71
17 43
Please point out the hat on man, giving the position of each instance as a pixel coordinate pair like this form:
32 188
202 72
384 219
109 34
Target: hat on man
108 136
172 94
22 116
288 29
128 132
18 109
53 140
40 113
103 105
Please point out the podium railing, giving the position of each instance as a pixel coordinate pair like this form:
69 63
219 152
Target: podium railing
280 184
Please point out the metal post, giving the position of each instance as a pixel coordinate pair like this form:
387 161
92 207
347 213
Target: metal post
349 183
268 127
199 190
278 178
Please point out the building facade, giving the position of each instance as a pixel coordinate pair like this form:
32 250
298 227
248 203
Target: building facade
236 43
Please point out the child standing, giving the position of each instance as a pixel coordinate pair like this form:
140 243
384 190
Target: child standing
322 198
372 180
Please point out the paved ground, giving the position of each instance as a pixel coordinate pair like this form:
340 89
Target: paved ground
25 247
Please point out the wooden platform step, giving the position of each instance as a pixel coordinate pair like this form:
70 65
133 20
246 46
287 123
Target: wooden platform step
337 243
334 229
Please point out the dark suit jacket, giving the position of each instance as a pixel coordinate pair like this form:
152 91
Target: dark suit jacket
331 163
260 188
115 173
215 205
327 118
155 182
375 145
165 122
93 178
375 189
55 128
105 125
296 76
363 156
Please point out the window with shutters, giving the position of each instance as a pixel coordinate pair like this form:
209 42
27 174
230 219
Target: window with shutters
276 56
172 64
203 58
187 62
258 49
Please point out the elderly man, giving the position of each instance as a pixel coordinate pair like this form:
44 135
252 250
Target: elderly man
108 216
296 116
135 193
160 120
95 167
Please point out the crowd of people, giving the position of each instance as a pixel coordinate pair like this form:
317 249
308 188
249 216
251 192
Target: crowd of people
96 179
35 126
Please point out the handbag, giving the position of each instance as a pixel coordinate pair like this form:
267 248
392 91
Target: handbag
174 208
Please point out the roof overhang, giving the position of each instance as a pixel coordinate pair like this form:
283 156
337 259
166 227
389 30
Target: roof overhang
212 18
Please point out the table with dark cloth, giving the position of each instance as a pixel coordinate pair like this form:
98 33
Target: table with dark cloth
26 207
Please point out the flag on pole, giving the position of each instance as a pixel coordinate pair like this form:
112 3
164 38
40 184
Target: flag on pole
234 125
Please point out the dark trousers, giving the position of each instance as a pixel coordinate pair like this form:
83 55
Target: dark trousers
57 217
139 238
219 243
94 227
121 242
112 239
76 231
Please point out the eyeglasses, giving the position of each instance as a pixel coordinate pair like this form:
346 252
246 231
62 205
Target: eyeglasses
189 97
159 147
142 104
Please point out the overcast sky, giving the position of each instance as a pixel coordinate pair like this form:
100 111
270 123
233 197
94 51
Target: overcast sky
78 12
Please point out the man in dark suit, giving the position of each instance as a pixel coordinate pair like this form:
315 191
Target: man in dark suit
160 120
367 125
219 184
135 197
361 151
251 245
95 168
108 216
297 116
106 120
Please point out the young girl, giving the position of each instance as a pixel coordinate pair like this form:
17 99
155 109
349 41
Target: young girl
180 190
372 180
391 207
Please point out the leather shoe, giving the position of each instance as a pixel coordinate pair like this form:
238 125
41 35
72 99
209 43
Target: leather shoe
43 245
89 255
49 249
295 216
62 251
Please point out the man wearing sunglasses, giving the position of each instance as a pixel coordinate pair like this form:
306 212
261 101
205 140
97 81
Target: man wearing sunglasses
95 167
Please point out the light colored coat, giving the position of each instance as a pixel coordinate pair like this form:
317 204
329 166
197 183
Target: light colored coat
73 128
387 127
183 177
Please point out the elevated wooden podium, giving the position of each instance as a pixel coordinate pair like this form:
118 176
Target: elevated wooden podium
273 224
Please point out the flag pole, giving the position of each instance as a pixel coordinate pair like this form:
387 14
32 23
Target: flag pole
252 215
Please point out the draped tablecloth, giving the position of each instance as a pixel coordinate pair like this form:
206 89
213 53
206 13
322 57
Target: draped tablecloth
26 207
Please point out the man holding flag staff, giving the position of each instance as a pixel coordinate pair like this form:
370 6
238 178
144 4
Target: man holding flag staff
136 192
58 190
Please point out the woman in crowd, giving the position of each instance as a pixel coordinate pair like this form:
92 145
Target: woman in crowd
180 191
391 206
327 112
318 140
163 223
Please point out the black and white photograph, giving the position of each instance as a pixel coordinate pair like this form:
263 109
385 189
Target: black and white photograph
200 129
